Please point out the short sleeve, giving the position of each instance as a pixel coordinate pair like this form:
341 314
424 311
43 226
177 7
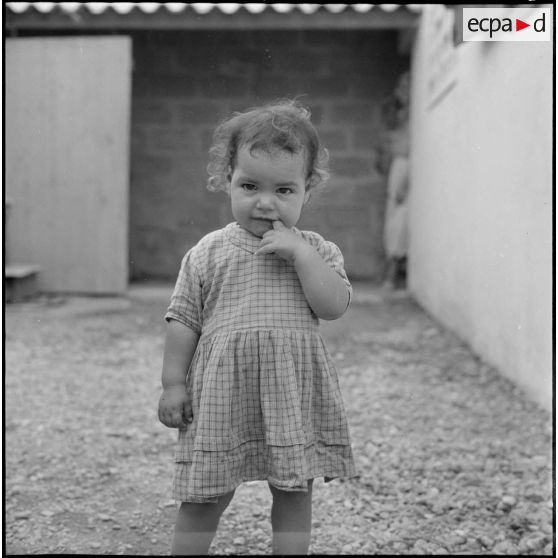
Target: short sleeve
333 257
186 304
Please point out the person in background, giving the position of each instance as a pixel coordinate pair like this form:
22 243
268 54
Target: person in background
394 160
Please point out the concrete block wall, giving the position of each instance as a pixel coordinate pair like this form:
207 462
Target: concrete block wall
185 83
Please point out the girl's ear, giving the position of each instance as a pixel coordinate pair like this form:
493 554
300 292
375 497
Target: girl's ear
307 193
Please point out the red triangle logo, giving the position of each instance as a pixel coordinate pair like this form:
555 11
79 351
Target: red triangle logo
519 25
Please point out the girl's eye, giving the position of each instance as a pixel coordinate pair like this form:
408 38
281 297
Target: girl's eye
248 187
285 190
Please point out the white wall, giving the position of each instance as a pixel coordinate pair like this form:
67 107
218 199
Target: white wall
481 205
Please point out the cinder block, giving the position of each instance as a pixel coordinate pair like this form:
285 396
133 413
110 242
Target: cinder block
325 38
271 88
161 139
316 112
164 86
351 112
269 39
365 137
150 111
350 166
202 112
21 282
351 64
297 61
328 87
225 87
334 139
148 56
146 165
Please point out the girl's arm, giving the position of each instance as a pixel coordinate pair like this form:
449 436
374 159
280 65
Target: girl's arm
324 289
175 409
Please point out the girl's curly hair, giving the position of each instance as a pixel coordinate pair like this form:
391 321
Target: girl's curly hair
283 125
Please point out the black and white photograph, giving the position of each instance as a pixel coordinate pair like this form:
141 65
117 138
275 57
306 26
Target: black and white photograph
279 279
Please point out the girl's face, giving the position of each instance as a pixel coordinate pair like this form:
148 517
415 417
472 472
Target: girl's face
267 187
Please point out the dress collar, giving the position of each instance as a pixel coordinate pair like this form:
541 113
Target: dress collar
242 238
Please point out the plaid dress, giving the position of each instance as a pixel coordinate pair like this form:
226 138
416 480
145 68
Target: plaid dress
265 394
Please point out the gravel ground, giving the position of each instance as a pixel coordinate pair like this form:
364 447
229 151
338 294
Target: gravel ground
453 458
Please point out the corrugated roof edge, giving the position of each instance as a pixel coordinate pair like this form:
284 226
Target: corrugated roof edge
201 8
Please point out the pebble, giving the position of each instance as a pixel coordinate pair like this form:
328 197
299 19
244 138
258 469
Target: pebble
439 508
433 492
239 541
532 542
258 533
95 545
471 541
23 515
505 547
154 541
455 540
104 517
422 547
540 461
509 501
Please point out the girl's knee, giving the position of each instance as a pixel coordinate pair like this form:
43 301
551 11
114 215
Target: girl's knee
296 497
206 510
224 500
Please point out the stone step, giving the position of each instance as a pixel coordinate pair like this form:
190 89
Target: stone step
20 281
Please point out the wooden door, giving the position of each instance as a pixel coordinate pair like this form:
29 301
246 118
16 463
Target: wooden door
67 134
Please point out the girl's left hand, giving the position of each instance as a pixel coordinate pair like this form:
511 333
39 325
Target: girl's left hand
282 241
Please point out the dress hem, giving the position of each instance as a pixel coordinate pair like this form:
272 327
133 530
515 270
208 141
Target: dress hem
192 499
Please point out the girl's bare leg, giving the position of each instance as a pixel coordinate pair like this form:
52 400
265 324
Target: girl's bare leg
291 520
196 525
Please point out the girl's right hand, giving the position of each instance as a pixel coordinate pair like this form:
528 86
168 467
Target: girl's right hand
175 407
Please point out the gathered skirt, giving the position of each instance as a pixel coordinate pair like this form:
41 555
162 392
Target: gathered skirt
266 406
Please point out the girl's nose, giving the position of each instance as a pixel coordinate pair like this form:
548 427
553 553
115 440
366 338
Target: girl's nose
264 201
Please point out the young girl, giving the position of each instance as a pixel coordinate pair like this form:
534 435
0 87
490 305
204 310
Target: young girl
246 377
